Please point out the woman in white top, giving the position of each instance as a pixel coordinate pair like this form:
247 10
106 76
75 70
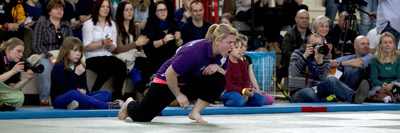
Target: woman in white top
99 41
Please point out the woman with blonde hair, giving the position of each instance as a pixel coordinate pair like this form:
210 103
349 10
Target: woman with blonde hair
195 72
385 69
321 27
11 65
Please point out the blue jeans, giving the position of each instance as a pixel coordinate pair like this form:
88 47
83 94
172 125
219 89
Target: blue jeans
44 79
393 31
97 99
235 99
353 77
331 9
366 23
329 86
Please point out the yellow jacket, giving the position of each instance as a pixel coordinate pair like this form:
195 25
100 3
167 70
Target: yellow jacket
18 14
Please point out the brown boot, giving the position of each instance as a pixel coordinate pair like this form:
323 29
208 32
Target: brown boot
277 49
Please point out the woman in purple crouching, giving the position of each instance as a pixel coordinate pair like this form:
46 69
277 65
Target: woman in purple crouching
195 72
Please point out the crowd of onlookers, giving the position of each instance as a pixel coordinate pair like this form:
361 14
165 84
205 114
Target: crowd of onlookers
134 38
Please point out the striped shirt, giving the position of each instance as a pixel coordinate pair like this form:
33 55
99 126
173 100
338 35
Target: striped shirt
44 36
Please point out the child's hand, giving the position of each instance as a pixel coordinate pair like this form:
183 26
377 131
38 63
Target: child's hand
249 92
79 69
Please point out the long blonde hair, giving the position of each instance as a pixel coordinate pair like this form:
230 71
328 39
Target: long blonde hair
380 57
220 31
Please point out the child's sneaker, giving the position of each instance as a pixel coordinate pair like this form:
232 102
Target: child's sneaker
117 104
73 105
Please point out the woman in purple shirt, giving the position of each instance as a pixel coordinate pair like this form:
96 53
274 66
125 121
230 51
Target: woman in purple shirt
195 72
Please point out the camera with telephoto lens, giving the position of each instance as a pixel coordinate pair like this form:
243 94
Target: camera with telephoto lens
36 68
396 92
321 48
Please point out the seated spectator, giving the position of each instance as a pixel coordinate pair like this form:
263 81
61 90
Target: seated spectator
354 67
182 15
226 18
238 92
12 24
292 41
385 69
321 27
373 38
10 68
31 10
84 10
48 35
309 81
141 12
249 63
68 81
99 41
196 28
129 47
342 37
164 35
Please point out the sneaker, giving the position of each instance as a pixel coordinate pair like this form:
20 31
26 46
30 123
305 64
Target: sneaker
362 92
73 105
331 98
44 102
117 104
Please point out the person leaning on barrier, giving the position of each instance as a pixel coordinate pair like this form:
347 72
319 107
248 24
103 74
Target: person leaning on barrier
308 76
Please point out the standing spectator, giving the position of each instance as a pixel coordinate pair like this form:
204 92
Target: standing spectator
48 35
163 32
293 40
141 12
387 17
195 28
331 9
366 23
99 41
10 68
196 71
68 88
182 15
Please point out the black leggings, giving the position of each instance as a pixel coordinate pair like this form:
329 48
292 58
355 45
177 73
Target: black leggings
105 67
207 88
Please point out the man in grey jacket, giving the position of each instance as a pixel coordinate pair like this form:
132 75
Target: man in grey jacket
308 77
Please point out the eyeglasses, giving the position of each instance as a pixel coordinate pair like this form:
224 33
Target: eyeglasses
303 18
162 10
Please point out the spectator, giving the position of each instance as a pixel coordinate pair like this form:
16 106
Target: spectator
292 41
355 67
99 41
226 18
10 68
141 12
199 66
183 14
387 18
385 69
163 32
48 35
321 27
342 37
308 77
238 92
249 64
68 88
12 24
366 23
196 28
129 47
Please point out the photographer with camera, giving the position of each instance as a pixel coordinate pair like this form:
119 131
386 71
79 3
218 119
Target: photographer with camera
11 53
308 75
354 67
342 36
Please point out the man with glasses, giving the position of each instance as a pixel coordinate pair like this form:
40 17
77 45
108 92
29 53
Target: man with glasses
293 40
196 28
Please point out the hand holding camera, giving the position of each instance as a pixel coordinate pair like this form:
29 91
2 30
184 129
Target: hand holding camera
19 67
36 68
